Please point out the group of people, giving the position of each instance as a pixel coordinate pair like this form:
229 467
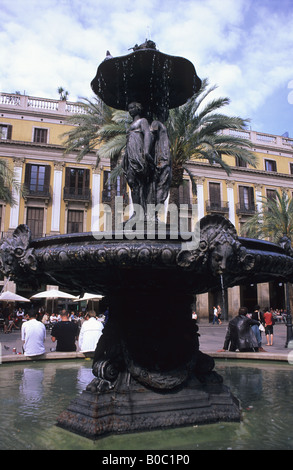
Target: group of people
66 333
244 332
50 320
11 318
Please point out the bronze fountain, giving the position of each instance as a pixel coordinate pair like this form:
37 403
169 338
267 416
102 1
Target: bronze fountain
148 367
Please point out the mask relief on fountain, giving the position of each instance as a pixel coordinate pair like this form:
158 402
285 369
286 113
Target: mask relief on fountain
17 258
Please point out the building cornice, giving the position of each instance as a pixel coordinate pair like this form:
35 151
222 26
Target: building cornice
217 170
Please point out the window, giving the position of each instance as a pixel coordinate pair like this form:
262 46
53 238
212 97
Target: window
119 187
35 220
37 178
75 221
246 197
271 194
240 163
270 165
291 168
40 135
77 182
184 193
106 197
215 195
5 132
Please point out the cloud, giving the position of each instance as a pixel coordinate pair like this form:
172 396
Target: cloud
243 46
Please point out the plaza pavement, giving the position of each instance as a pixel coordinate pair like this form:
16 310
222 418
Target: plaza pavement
211 340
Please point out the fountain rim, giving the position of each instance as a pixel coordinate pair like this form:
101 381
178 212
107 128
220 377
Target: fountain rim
108 237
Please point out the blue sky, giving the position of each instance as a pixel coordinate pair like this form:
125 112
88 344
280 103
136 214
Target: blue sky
243 46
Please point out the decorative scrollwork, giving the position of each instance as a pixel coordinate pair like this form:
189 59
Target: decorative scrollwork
16 256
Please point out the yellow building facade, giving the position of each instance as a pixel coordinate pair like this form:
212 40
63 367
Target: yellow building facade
64 196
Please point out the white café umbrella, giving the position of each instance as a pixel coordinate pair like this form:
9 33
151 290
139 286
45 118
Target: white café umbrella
88 296
53 294
12 297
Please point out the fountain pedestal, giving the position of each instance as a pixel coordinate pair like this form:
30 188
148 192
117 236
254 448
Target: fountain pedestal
149 371
132 407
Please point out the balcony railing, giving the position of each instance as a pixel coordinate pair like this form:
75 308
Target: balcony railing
243 209
76 194
218 207
40 192
46 105
107 197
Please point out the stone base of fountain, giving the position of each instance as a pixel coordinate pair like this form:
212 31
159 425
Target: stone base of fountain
131 407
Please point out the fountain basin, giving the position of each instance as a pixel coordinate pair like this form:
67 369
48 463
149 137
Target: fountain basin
30 402
148 357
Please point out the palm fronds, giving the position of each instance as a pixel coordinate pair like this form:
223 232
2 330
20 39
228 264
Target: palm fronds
196 132
274 221
8 184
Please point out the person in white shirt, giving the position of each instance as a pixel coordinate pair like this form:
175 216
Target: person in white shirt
90 333
33 335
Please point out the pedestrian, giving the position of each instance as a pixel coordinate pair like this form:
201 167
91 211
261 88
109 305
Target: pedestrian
269 328
215 313
90 333
219 312
6 314
106 315
20 316
239 334
53 319
194 315
12 322
65 333
46 319
33 335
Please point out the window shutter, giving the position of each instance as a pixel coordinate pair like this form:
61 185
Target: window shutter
47 176
215 194
9 132
27 177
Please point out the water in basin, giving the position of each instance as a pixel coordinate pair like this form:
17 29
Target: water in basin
33 394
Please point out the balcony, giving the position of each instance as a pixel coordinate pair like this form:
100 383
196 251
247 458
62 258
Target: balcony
245 209
76 194
217 207
37 192
107 197
40 105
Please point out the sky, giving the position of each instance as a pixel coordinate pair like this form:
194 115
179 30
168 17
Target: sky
245 47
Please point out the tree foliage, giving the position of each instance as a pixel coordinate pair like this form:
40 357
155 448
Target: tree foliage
274 221
195 132
8 183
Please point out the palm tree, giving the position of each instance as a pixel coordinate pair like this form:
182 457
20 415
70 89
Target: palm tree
196 133
62 93
102 130
194 129
274 221
8 184
90 129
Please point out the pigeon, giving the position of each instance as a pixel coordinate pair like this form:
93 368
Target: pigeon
108 56
6 347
